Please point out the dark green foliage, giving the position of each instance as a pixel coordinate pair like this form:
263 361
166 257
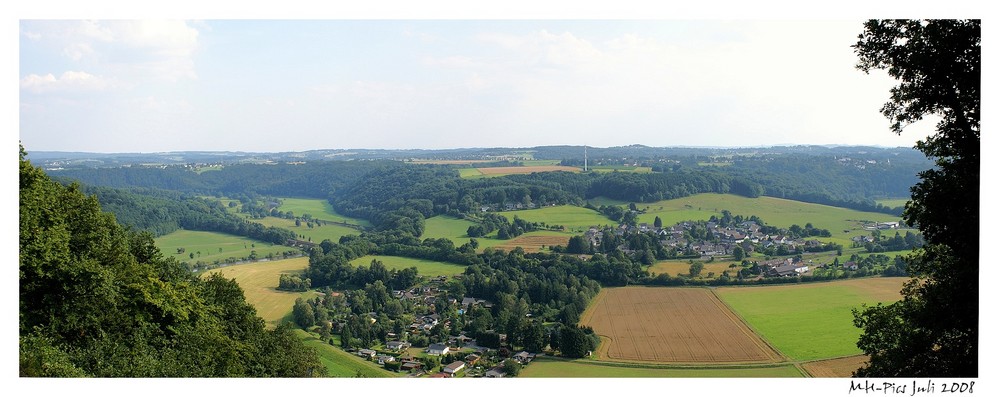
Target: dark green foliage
575 342
578 245
511 368
292 282
934 330
303 314
99 300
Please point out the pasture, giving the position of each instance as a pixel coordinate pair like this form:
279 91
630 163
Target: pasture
443 226
424 267
260 281
211 246
893 203
316 233
546 367
572 217
341 364
810 321
318 209
672 325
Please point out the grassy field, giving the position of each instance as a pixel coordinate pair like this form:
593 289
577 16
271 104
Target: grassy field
316 233
442 226
341 364
259 282
470 173
572 217
318 209
810 321
774 211
213 246
893 203
424 267
545 367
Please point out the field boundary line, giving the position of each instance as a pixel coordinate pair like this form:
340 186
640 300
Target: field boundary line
780 356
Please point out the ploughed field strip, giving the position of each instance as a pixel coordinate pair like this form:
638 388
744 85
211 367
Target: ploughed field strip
672 325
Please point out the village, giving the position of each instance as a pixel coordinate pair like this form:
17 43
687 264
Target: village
443 357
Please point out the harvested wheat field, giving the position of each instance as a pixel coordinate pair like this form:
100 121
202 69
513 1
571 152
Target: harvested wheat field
525 170
836 368
533 243
672 325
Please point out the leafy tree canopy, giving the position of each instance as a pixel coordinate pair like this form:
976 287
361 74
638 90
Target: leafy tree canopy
934 330
100 300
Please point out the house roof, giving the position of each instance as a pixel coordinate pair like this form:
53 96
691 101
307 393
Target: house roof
437 346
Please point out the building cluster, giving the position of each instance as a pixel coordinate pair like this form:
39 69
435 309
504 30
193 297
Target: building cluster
717 241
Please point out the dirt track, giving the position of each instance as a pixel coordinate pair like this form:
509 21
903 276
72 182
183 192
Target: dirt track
672 325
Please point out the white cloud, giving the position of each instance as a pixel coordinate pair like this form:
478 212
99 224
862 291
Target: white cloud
70 81
128 49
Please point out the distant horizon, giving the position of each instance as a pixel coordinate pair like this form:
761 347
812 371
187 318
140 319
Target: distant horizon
787 145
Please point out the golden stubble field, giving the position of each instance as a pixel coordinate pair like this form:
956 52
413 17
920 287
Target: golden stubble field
672 325
532 243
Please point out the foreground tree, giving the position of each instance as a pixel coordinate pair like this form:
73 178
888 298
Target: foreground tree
99 300
934 329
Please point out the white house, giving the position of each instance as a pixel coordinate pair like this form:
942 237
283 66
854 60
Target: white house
437 349
454 367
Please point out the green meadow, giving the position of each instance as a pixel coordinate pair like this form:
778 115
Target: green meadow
341 364
211 246
809 321
443 226
470 173
545 367
893 203
316 233
572 217
424 267
318 209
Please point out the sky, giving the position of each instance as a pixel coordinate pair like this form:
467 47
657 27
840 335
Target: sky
154 85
